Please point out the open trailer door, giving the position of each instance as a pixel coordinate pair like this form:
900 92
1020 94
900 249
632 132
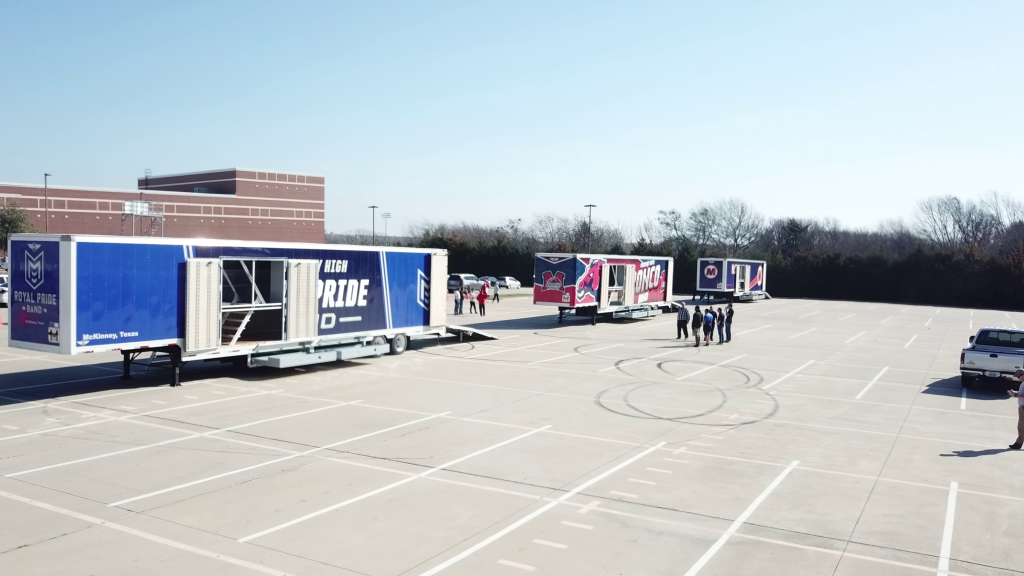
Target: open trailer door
301 309
202 304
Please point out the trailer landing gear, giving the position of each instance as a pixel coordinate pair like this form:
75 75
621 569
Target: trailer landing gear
173 351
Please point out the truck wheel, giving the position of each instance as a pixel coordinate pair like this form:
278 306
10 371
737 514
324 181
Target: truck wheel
967 381
399 344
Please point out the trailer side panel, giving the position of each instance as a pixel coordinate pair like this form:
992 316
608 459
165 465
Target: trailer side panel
35 296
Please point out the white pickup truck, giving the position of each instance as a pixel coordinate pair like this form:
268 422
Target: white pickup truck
993 353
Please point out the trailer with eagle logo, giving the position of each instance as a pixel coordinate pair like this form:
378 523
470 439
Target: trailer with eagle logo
732 278
272 304
605 285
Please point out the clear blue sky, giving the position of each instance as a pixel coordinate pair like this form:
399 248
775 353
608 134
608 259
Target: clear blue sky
483 111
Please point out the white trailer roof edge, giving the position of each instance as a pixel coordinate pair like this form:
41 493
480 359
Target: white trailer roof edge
218 242
578 254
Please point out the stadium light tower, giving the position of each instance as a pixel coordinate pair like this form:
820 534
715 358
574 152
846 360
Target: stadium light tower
46 203
373 224
590 225
386 216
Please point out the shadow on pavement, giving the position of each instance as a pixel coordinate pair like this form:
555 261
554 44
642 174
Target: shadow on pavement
984 388
975 453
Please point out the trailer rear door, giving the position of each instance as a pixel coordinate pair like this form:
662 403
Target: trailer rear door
202 304
629 290
301 310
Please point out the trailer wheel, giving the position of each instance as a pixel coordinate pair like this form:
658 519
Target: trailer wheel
378 341
967 381
399 344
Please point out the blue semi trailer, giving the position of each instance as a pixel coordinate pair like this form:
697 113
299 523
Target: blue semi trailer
733 278
259 303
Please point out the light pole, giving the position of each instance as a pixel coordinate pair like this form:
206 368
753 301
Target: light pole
46 203
386 216
590 225
373 224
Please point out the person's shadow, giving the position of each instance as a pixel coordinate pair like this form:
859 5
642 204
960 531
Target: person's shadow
975 453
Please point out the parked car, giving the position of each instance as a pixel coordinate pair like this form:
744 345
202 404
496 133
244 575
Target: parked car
491 280
993 353
460 281
5 290
509 282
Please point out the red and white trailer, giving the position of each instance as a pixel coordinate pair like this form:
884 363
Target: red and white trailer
603 284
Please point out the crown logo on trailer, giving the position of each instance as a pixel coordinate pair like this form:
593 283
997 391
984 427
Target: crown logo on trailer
34 268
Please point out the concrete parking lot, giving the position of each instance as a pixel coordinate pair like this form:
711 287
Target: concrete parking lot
827 438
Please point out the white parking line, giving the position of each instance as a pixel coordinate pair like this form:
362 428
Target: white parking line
623 494
639 481
573 354
790 373
575 525
549 543
660 470
147 536
511 349
802 333
870 384
538 512
739 521
282 459
887 318
706 368
674 460
963 399
809 314
752 330
773 312
634 361
947 531
848 316
854 337
388 487
911 341
928 322
171 441
512 564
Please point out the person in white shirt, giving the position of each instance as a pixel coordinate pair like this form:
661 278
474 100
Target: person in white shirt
1019 395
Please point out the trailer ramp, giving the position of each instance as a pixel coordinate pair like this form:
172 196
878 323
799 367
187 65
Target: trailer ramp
468 332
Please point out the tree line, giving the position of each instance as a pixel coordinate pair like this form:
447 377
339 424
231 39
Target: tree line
954 252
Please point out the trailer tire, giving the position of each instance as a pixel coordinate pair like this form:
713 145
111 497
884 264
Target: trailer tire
967 381
399 344
379 340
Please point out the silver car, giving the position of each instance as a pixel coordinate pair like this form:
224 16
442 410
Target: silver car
509 282
460 281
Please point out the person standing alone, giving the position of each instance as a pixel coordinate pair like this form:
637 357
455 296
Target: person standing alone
496 288
682 322
457 296
728 323
1019 395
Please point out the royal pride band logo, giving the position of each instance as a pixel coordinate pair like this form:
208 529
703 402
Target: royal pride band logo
711 271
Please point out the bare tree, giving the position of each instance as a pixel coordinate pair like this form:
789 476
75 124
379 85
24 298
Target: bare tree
736 225
702 228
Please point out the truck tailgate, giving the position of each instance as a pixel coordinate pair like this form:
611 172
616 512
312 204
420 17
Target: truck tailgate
988 360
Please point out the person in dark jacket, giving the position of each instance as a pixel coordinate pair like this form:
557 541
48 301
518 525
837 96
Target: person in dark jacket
682 323
728 323
720 321
698 320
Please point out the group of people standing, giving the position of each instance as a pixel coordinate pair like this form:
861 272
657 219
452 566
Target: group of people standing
476 298
705 322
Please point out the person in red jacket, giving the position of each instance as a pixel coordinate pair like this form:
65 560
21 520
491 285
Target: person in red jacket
481 298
